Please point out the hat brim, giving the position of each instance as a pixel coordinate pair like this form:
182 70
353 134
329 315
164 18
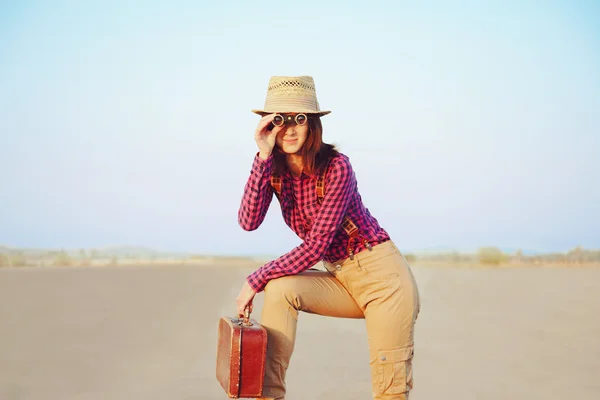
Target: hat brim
264 112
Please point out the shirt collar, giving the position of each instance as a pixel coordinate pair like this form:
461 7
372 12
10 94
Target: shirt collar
302 176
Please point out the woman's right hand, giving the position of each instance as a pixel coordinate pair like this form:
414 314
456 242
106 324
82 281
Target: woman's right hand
265 138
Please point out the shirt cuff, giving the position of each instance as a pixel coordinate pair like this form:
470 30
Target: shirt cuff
261 166
257 280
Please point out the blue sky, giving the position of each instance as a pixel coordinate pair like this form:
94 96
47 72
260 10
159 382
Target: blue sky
129 123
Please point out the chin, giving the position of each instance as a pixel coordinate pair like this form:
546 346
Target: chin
290 149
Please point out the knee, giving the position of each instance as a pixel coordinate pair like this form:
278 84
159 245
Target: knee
284 289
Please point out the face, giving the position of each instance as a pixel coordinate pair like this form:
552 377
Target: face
291 136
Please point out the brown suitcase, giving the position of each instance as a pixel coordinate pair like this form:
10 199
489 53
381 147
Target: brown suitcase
241 356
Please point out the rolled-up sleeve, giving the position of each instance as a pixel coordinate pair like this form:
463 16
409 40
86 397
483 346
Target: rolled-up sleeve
257 195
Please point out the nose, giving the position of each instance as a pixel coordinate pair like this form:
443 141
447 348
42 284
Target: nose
290 129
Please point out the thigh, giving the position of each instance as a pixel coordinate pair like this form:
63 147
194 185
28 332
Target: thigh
315 292
391 308
391 313
384 287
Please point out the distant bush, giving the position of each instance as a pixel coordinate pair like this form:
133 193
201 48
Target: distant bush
491 255
62 259
455 257
85 262
578 255
13 260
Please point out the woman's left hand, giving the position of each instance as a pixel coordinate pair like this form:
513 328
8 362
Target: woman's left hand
244 299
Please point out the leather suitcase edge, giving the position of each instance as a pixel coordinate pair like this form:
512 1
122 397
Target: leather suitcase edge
232 388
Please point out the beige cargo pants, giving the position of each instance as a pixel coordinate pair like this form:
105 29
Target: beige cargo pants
378 286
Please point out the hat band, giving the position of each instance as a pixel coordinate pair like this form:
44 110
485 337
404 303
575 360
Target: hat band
291 103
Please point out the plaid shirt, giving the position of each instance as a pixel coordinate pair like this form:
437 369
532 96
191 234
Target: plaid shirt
318 225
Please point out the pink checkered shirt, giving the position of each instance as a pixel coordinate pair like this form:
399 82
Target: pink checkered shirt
318 225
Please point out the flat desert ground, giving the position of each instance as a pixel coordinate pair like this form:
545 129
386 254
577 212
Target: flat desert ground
150 332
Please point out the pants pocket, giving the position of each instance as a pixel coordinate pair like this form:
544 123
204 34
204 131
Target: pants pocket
380 251
394 368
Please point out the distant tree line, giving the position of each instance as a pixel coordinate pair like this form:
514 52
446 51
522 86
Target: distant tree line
495 256
483 256
60 258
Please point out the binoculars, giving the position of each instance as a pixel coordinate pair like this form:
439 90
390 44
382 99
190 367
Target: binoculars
279 119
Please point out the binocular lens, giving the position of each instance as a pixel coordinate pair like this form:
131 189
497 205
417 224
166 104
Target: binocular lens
300 119
279 119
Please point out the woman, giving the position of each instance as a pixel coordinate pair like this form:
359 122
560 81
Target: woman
366 275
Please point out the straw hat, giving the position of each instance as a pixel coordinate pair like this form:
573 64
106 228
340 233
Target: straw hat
291 94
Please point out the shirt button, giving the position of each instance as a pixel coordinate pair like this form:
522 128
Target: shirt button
338 267
383 358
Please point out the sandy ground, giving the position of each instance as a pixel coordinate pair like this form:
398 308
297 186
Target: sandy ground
150 333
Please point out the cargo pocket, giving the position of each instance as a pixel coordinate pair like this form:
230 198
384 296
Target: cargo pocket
395 370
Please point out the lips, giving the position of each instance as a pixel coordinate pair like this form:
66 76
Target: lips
288 141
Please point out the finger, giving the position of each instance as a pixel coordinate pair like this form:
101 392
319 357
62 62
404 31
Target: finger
269 117
242 307
265 121
274 132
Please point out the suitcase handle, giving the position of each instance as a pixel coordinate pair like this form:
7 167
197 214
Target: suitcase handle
246 320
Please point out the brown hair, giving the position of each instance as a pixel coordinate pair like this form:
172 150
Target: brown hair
315 153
